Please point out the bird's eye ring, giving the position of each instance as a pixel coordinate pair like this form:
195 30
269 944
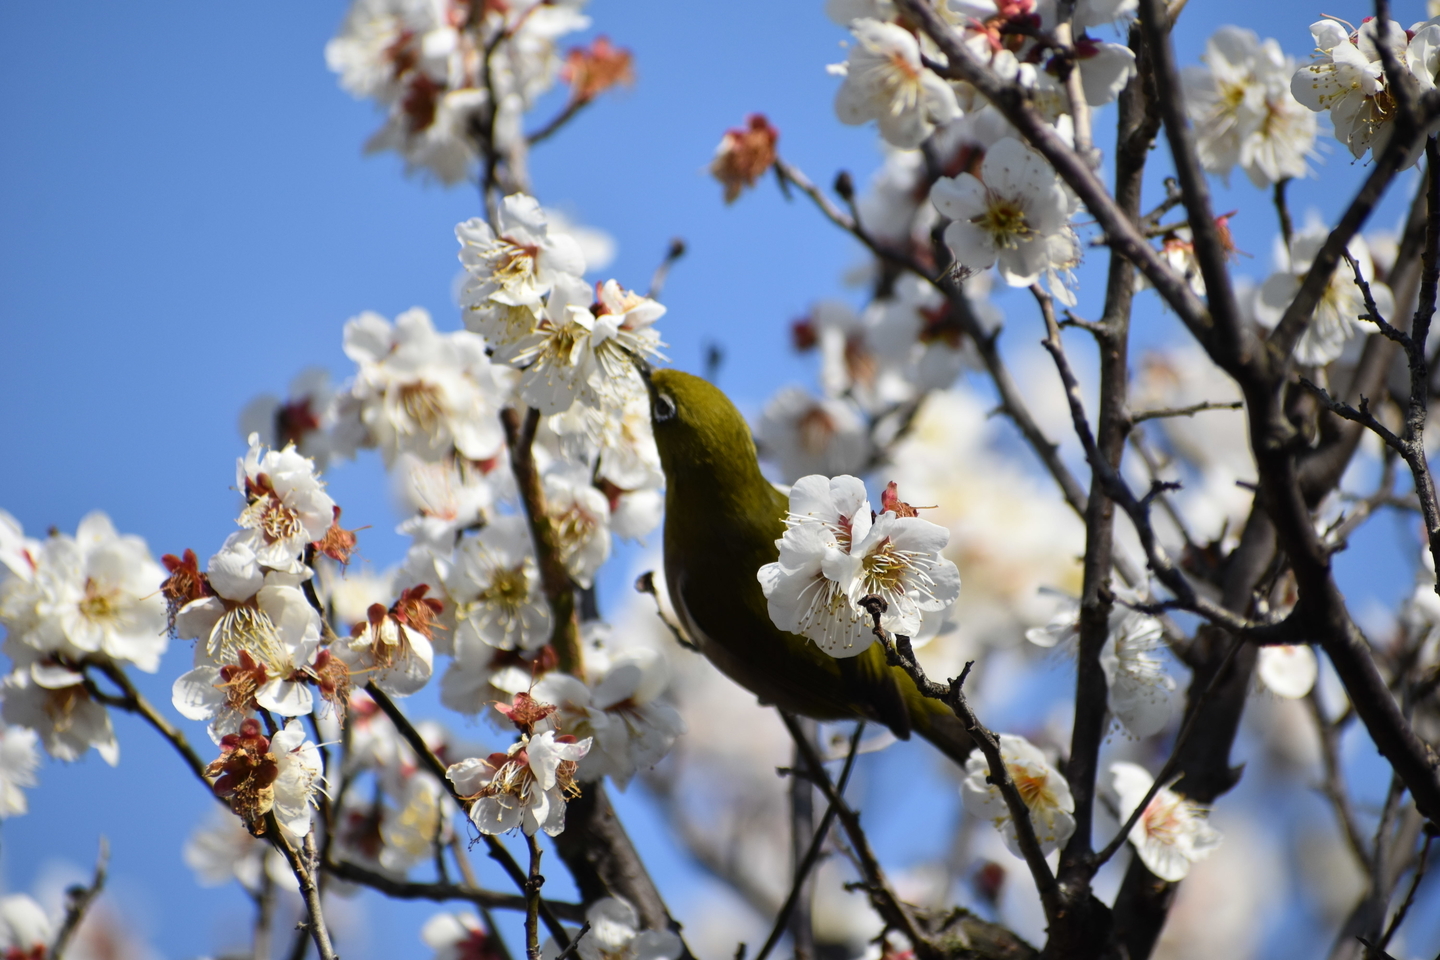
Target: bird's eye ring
664 407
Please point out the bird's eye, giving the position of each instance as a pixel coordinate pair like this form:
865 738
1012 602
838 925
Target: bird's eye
664 407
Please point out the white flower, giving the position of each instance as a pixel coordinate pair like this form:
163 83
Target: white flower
471 685
631 727
381 40
430 127
1140 690
420 821
393 646
825 517
1336 318
19 759
1105 68
525 787
550 352
581 515
25 930
260 638
622 328
885 81
918 338
223 850
510 271
1040 785
496 588
286 506
448 497
808 435
94 593
299 769
457 936
835 553
1244 112
1289 671
53 702
1348 79
1173 832
303 418
615 934
1016 213
423 392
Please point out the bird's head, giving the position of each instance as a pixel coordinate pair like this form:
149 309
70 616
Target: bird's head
699 433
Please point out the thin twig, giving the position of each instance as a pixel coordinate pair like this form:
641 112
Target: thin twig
882 896
78 900
1334 783
532 900
812 853
1409 900
674 252
446 892
427 759
1189 411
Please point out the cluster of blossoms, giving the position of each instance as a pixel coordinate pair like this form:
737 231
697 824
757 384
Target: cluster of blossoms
452 75
1347 76
837 555
69 603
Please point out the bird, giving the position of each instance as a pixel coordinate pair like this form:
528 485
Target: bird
722 521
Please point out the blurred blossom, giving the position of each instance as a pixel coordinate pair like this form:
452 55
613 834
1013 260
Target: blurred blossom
1288 671
744 154
885 82
302 418
222 850
1172 833
1140 691
1244 112
1341 304
459 936
19 759
590 71
447 497
809 435
419 391
615 934
25 930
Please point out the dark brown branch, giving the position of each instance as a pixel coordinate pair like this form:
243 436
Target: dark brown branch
572 107
446 892
673 253
532 901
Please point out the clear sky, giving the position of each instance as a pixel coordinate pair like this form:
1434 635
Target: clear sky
186 219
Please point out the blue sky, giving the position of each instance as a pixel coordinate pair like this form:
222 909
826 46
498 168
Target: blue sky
186 220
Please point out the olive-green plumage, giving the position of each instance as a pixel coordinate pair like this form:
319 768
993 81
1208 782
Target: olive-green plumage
722 518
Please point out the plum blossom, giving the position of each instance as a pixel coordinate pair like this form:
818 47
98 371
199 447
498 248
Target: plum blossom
19 759
1016 213
808 434
581 515
1172 834
1342 302
286 507
222 850
1041 786
1289 671
260 774
303 418
621 711
52 701
470 684
615 934
495 586
512 269
447 496
91 594
525 787
430 127
744 154
1244 112
1347 77
25 930
836 552
885 81
1140 691
393 646
421 392
259 645
459 936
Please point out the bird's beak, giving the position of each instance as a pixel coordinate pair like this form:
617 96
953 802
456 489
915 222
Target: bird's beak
642 367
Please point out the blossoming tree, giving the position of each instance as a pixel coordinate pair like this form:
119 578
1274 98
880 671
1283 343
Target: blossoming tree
1174 551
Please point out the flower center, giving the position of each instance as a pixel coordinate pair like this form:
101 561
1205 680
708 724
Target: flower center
248 628
98 607
424 404
1004 220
